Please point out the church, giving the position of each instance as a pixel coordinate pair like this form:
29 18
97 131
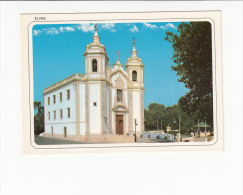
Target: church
106 104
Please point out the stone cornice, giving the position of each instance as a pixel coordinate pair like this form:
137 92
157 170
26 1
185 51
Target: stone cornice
97 79
142 88
74 77
98 52
120 106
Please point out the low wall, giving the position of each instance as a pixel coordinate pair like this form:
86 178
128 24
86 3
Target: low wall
120 138
95 138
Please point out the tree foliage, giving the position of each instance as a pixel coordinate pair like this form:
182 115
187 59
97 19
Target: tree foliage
193 58
168 116
38 118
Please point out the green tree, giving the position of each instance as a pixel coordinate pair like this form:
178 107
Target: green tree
193 58
154 114
38 118
169 116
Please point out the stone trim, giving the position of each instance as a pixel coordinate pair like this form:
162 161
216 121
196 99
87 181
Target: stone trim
101 117
104 108
120 106
129 83
68 80
130 105
87 131
142 111
64 123
77 109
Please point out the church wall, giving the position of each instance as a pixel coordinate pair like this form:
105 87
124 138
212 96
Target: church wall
130 107
82 108
104 101
125 97
110 110
59 123
95 111
113 94
142 110
137 109
58 129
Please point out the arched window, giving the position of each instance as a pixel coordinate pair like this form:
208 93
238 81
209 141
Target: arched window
134 75
94 65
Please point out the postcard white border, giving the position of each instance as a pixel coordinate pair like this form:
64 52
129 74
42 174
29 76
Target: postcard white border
27 22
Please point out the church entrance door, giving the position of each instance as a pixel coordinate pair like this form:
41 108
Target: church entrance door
119 124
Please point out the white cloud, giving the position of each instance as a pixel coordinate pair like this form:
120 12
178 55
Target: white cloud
86 27
69 28
150 25
52 31
37 32
169 25
134 29
108 25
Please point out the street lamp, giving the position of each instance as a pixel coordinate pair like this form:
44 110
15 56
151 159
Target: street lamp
135 121
174 127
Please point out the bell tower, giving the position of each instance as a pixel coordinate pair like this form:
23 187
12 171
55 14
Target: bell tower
134 68
96 60
96 90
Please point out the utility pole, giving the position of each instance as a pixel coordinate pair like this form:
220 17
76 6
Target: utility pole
198 129
205 131
179 125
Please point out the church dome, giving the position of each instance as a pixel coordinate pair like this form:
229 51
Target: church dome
117 63
134 60
95 47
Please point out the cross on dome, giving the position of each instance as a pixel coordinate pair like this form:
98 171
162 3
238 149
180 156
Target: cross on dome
95 27
133 42
118 55
96 37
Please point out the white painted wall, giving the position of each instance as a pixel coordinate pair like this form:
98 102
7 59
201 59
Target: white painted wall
59 128
82 107
94 76
113 93
137 109
95 115
58 123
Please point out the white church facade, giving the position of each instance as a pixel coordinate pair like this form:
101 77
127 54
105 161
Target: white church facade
100 105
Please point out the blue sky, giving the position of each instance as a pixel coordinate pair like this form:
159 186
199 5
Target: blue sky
58 53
